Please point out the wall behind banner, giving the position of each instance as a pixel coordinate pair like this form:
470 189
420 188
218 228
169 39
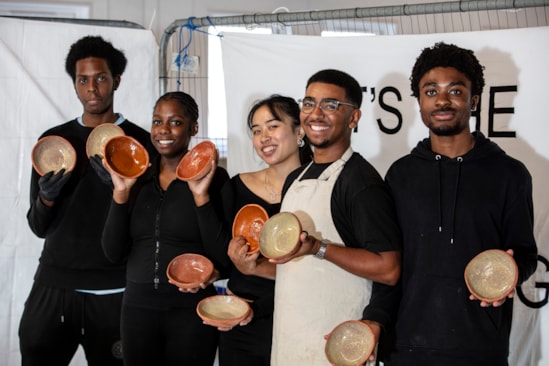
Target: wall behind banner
36 94
509 113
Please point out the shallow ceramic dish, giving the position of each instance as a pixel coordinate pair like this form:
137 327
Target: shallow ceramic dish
99 136
189 270
223 310
53 153
279 237
195 164
491 275
126 156
248 223
350 343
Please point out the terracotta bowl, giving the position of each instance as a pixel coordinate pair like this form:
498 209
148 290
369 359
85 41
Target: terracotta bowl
279 237
99 136
195 164
189 270
350 344
126 156
53 153
248 223
223 310
491 275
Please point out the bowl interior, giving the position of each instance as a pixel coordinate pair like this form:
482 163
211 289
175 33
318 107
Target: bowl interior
99 136
223 309
280 235
491 275
53 153
350 343
189 270
126 156
248 223
196 162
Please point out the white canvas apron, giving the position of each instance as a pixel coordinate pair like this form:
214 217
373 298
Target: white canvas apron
312 295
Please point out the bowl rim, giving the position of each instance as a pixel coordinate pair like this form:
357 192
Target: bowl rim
65 142
346 322
202 171
96 130
295 248
223 322
132 140
206 260
480 255
265 217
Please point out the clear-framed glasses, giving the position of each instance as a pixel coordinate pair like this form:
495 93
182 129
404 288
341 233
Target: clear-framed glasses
328 106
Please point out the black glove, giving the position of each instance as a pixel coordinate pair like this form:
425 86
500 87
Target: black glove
51 184
97 165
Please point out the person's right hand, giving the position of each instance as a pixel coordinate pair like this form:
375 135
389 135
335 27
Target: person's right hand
238 253
97 165
50 184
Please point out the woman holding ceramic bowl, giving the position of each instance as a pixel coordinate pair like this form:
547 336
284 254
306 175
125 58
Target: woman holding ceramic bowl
153 219
280 142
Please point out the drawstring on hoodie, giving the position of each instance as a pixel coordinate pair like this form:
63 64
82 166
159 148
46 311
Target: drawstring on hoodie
459 160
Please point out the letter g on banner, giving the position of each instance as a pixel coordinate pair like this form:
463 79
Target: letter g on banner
541 285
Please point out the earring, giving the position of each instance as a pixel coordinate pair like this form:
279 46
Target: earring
300 142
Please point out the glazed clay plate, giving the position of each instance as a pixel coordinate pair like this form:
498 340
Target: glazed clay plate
223 310
53 153
248 223
280 235
99 136
350 343
195 164
491 275
189 270
126 156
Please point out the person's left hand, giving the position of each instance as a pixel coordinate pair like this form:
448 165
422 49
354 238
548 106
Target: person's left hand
308 244
495 304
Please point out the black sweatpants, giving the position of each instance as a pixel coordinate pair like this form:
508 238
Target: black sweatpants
172 337
55 321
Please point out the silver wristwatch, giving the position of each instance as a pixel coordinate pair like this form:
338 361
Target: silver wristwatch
322 251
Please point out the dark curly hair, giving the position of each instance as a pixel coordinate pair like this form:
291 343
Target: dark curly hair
281 105
353 91
185 100
95 46
448 55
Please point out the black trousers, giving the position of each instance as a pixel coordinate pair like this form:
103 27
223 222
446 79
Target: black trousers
55 321
166 337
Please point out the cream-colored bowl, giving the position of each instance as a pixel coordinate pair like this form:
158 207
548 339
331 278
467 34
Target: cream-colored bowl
350 343
53 153
223 310
99 136
279 236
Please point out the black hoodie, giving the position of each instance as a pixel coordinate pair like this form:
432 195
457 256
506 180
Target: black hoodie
449 211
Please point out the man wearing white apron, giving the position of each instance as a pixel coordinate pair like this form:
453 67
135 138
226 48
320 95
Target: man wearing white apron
351 237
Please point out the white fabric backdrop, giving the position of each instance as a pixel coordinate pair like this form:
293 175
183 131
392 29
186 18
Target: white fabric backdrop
258 65
36 93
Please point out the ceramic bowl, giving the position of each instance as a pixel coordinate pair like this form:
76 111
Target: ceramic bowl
53 153
195 164
279 237
189 270
491 275
99 136
350 343
126 156
223 310
248 223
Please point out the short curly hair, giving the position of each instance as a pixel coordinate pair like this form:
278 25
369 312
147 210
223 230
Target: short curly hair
95 46
353 91
448 55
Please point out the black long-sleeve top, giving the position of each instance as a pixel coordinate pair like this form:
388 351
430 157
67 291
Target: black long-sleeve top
154 227
72 256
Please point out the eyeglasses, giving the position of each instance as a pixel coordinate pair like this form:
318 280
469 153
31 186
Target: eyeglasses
328 106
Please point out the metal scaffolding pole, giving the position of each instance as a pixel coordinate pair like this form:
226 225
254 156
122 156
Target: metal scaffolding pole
355 13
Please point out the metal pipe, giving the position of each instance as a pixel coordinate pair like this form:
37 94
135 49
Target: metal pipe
316 15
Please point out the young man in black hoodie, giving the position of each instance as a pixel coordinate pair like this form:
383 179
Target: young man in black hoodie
76 295
457 194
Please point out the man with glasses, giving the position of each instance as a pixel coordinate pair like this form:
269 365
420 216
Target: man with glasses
350 236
